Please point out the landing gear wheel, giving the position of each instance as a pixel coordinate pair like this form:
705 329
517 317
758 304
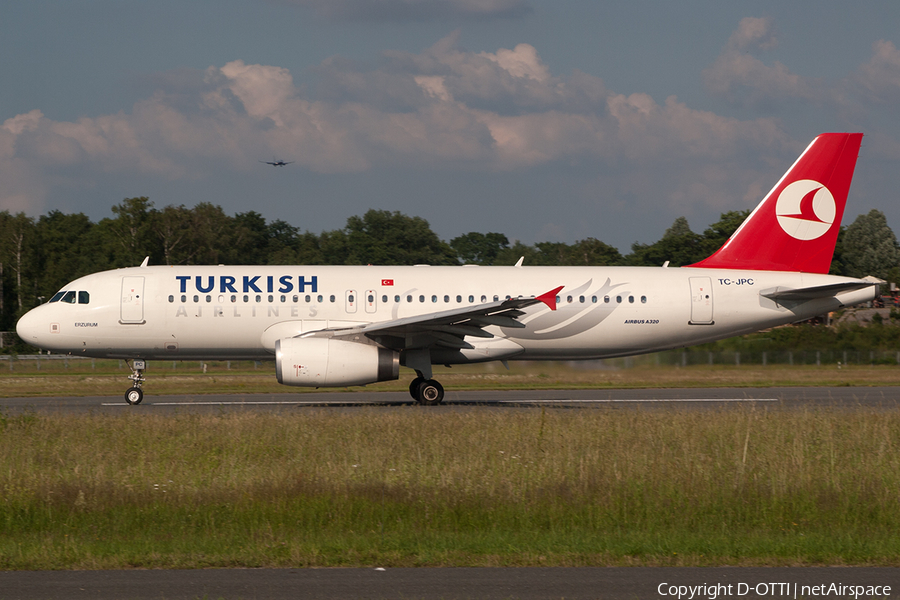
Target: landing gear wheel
430 393
134 395
414 387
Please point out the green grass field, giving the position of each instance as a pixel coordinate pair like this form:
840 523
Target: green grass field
414 486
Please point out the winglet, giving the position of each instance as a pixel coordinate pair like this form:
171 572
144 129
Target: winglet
549 298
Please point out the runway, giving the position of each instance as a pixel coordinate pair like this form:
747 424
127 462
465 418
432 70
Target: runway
682 398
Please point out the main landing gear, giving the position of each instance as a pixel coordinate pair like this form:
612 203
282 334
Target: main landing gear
427 392
135 394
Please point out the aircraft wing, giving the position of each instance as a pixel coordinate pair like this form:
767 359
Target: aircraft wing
445 328
813 293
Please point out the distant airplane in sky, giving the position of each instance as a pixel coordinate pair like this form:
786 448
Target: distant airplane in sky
276 163
353 325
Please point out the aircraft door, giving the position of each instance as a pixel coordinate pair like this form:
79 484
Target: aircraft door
132 308
371 301
351 301
701 301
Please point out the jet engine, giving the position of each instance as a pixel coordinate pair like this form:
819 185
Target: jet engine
330 362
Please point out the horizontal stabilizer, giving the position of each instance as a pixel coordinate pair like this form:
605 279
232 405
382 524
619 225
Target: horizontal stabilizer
814 293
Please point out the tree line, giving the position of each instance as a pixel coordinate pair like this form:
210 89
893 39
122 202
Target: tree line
40 255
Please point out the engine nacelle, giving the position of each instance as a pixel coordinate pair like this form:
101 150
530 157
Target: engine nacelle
330 362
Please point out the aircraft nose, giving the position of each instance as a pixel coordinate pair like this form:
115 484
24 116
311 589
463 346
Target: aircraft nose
31 328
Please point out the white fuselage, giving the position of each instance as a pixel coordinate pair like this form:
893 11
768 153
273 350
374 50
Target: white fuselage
232 312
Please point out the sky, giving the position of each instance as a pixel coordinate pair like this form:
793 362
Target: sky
545 120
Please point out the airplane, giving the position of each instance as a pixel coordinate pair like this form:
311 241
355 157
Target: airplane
277 163
336 326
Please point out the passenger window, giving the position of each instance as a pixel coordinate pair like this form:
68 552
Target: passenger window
594 299
271 298
471 299
196 298
643 299
631 299
183 298
84 298
370 298
618 298
259 297
384 298
569 299
171 299
446 298
319 298
295 298
350 298
606 299
396 298
421 298
331 298
483 298
69 298
433 298
57 296
307 299
208 298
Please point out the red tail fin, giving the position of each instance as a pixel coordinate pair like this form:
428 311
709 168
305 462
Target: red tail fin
796 225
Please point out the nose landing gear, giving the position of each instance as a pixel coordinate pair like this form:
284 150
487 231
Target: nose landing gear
135 394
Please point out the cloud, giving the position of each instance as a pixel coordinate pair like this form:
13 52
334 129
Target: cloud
742 79
879 78
442 109
414 10
509 81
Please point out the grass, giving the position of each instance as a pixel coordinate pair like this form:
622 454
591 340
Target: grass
408 486
109 377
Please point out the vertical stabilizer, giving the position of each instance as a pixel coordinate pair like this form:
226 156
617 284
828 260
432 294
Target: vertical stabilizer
796 225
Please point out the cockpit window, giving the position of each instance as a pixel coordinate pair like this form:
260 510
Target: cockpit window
57 296
69 297
84 298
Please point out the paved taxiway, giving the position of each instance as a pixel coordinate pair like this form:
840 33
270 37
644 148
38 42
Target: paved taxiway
788 397
450 583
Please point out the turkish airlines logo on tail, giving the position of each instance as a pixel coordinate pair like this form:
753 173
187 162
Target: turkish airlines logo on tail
805 209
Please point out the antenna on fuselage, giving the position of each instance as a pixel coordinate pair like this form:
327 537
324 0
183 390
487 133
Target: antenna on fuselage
146 260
